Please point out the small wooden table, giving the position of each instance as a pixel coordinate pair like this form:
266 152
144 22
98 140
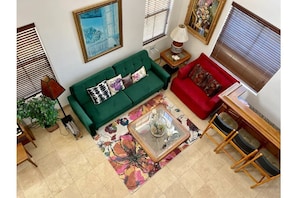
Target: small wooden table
173 65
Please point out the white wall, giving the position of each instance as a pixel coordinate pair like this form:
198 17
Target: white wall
57 29
56 26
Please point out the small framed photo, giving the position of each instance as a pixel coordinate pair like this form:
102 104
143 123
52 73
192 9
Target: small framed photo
99 28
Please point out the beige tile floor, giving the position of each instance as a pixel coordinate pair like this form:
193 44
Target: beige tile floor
77 168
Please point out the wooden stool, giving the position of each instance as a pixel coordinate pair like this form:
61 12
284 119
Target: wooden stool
23 155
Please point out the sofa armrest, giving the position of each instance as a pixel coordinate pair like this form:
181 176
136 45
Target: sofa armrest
80 113
161 73
184 71
213 101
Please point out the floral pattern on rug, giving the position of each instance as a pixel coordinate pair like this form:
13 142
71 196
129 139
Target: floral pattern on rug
127 157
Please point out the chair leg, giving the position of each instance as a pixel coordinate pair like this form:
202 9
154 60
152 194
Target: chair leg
209 125
265 181
32 162
245 158
226 140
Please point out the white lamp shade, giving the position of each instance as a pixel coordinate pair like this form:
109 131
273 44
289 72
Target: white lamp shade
180 34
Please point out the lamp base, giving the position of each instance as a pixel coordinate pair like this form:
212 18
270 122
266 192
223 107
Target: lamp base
71 126
66 119
176 48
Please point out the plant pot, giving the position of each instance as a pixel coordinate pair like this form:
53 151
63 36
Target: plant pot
52 128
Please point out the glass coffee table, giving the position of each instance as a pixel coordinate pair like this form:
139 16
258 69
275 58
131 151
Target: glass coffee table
158 132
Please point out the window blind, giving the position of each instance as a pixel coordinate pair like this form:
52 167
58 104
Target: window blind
32 62
156 17
249 47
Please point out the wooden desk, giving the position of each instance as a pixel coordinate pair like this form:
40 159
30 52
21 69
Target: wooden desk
230 98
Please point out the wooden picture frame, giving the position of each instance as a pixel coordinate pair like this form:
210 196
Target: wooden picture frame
99 28
202 17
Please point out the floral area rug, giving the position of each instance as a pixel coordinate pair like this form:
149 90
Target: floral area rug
126 156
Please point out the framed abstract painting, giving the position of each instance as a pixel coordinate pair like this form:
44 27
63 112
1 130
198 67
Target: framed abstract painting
202 17
99 28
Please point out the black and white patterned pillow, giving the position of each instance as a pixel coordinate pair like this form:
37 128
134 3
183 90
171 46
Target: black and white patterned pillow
99 93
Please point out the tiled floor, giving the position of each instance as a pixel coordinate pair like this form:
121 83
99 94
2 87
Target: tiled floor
77 168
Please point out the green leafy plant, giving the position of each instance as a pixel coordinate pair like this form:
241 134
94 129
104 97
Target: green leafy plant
42 109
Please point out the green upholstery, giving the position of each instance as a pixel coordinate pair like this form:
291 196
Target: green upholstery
93 115
144 88
109 109
79 90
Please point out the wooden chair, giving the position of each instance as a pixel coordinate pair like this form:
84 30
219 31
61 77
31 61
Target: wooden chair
266 163
23 155
223 124
244 143
25 134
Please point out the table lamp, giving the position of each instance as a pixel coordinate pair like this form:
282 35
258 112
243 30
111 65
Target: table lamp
179 35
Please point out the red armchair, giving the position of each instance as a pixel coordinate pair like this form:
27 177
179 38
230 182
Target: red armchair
195 97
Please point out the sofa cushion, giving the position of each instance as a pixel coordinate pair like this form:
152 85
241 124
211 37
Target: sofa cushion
198 75
115 84
132 63
211 86
99 93
144 88
109 109
139 74
127 80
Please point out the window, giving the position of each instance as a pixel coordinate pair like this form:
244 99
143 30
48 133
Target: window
155 21
32 62
249 47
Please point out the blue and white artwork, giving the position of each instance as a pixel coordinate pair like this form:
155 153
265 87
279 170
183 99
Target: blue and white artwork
100 29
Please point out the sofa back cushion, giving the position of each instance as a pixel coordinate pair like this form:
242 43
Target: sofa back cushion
133 63
79 89
218 73
198 75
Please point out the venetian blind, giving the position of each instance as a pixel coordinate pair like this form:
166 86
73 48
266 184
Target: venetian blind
249 47
155 21
32 62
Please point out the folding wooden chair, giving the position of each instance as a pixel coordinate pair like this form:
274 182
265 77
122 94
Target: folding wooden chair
266 163
223 124
243 142
23 155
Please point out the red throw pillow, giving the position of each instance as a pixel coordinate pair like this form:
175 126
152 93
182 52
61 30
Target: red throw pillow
198 75
212 87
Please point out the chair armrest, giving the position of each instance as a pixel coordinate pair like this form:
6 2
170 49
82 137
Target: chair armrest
214 101
184 71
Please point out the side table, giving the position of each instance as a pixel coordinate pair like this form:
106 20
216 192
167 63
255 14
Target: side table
173 65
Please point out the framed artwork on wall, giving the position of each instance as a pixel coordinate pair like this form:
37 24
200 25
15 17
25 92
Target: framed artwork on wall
202 17
99 28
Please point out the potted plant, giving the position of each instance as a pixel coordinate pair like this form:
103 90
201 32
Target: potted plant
42 109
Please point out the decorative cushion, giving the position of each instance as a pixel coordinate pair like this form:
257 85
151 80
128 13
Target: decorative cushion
198 75
115 84
139 74
99 93
211 86
127 80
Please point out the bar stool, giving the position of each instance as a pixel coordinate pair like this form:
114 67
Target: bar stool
266 163
244 143
23 155
223 124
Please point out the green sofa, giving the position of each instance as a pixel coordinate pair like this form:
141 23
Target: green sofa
93 115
